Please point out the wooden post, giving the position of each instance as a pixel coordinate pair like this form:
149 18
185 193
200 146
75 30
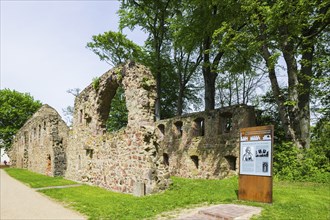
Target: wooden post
256 164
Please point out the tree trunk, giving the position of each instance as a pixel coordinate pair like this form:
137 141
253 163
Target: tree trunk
299 93
209 76
158 90
279 97
180 100
304 95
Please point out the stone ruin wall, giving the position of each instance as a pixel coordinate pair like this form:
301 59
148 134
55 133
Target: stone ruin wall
204 144
124 160
139 158
40 145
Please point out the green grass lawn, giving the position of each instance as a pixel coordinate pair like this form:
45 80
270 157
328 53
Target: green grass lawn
290 200
36 180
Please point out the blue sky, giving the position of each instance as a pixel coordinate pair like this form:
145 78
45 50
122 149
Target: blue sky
43 46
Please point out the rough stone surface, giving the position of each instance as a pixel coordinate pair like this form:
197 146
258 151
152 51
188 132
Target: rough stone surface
139 158
206 144
40 145
120 160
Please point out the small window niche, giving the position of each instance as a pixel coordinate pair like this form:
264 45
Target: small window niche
89 152
161 128
88 118
80 116
199 127
231 160
34 133
195 159
79 162
178 129
39 131
166 159
225 123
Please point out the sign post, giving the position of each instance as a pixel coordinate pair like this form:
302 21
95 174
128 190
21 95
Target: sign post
256 163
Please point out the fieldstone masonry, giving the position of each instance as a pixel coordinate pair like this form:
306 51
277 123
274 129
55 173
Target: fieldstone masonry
139 158
204 144
122 160
40 145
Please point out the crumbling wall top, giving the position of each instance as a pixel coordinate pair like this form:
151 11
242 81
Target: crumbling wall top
92 105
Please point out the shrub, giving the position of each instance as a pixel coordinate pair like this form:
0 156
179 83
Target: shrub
291 163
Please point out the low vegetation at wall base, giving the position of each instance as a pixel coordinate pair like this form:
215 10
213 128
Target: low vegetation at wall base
291 200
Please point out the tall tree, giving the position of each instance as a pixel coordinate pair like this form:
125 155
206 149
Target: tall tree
292 30
151 16
15 109
185 65
201 21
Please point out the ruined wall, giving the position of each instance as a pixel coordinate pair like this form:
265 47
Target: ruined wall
141 157
40 145
204 144
124 160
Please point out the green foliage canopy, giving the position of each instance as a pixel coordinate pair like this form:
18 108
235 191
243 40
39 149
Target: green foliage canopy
114 48
15 109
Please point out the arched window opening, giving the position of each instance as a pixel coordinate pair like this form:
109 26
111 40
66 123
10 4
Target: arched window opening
199 127
179 129
34 133
166 159
231 160
118 114
225 122
39 132
80 116
161 128
195 159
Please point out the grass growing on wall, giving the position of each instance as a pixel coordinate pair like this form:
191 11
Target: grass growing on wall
36 180
291 200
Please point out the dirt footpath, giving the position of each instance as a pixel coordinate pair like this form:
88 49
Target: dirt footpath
21 202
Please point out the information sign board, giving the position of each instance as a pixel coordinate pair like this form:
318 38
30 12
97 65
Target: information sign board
256 150
256 157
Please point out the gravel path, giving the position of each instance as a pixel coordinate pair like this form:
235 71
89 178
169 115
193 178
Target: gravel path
21 202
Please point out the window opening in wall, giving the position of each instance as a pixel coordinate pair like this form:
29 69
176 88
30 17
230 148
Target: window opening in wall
49 165
178 126
39 132
44 126
88 119
26 137
161 128
166 158
225 122
79 162
228 124
80 116
195 159
118 115
89 153
231 160
34 132
199 127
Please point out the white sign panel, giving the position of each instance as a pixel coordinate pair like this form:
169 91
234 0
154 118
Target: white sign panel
256 157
